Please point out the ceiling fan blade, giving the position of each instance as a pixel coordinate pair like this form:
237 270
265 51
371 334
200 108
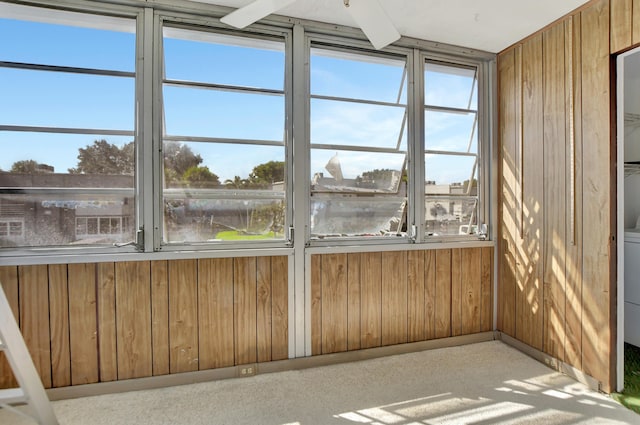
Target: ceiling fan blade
374 22
253 12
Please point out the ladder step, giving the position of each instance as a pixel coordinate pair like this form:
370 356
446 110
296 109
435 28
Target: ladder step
12 395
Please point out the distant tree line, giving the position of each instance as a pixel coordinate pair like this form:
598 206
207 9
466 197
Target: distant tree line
181 166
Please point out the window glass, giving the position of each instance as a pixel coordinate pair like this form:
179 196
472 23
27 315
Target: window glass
451 151
230 185
67 172
358 131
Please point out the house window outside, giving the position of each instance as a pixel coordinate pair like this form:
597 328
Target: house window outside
67 133
358 139
451 150
224 140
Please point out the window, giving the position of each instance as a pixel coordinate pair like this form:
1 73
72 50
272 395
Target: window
67 134
358 117
129 128
451 150
224 149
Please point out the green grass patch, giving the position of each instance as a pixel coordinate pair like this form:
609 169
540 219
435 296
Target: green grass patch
235 235
630 397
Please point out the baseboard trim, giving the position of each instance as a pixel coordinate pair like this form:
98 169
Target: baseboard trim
551 362
185 378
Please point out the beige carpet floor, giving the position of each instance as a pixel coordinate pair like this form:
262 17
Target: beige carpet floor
485 383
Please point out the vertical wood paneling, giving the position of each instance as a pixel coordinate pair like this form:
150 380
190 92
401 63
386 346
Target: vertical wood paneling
416 299
507 210
471 275
597 193
244 301
371 299
486 290
394 297
573 341
635 20
334 303
555 187
215 312
456 292
316 304
107 335
83 323
9 282
529 293
280 308
133 319
183 316
620 25
353 296
59 318
34 317
263 306
430 300
160 317
443 293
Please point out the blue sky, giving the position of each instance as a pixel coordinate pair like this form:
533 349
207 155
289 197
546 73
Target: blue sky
34 98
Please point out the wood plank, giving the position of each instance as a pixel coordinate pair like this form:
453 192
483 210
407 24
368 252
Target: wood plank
621 32
430 299
244 301
263 307
554 242
416 315
507 208
183 316
456 292
160 317
443 293
334 303
486 290
529 294
215 312
597 342
107 332
9 282
59 324
371 301
59 317
471 282
394 297
574 308
316 304
133 319
353 296
635 21
34 317
280 307
83 327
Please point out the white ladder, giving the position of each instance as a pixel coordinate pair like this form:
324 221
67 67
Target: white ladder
30 390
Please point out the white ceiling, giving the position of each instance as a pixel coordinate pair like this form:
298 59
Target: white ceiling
490 25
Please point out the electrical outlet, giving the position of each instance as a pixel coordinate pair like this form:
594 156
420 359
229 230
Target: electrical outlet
247 371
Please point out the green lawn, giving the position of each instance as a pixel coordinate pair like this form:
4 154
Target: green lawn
235 235
630 397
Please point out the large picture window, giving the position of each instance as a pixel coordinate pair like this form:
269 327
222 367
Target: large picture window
358 126
224 137
66 127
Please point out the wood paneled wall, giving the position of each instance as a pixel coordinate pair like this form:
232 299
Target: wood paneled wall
366 300
625 24
98 322
556 290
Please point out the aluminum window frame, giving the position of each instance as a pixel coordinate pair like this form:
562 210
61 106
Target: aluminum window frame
102 18
254 32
